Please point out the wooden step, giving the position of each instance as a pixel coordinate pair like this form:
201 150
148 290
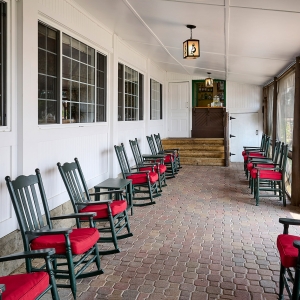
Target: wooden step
202 161
198 151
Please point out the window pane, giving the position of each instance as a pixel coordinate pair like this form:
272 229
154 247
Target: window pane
83 53
83 113
101 87
48 75
83 93
156 99
42 87
75 91
42 36
66 45
66 90
51 40
83 73
75 113
75 49
91 113
91 75
51 64
75 70
42 61
66 67
91 94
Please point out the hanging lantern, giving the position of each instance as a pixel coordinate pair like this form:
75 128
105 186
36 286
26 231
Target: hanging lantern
209 82
191 47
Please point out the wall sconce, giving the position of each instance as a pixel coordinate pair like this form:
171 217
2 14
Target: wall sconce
191 47
209 82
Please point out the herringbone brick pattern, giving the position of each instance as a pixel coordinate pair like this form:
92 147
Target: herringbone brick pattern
203 239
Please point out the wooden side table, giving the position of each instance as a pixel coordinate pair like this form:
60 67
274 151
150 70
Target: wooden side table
117 184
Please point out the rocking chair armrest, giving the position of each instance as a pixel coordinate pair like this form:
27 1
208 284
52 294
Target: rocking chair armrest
289 221
153 156
75 215
37 233
140 172
29 254
93 203
297 245
263 162
250 147
106 193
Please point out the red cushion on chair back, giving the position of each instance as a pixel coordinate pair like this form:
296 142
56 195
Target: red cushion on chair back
168 158
288 253
252 154
244 153
142 178
24 286
82 239
116 206
266 174
162 169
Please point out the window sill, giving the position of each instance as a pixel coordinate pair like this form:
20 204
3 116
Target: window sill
71 125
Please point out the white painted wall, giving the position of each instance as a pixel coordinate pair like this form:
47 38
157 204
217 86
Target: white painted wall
24 145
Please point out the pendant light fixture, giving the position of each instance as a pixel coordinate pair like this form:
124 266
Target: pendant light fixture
209 82
191 47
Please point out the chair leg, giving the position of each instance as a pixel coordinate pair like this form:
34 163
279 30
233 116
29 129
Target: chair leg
54 292
281 282
296 287
113 234
72 278
257 191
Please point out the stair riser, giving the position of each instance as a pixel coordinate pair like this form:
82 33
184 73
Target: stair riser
203 161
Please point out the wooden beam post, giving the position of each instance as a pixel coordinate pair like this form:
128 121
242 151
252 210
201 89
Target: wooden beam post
295 193
274 133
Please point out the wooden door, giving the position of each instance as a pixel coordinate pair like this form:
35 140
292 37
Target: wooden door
178 110
244 128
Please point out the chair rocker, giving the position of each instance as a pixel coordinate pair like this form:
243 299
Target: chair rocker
289 250
29 285
147 164
169 160
76 248
271 179
113 212
143 182
174 151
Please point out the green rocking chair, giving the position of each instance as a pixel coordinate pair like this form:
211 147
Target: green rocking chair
143 182
149 163
111 213
76 249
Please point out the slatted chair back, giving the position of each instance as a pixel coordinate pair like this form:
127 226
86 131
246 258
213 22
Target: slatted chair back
151 143
283 157
136 152
26 192
123 160
158 143
75 183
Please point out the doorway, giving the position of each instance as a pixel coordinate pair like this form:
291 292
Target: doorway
179 110
244 132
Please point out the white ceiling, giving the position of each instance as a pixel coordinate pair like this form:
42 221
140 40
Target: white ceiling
240 40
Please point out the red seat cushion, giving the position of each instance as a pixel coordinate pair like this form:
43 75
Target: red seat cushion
162 169
116 206
244 153
142 178
168 158
288 253
82 239
24 286
266 174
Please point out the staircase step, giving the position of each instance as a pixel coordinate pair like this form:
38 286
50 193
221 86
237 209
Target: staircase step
204 154
202 161
198 151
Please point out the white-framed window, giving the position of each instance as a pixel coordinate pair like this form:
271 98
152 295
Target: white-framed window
3 63
155 100
130 94
78 93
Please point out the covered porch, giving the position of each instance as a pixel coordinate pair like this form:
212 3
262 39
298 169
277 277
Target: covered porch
205 239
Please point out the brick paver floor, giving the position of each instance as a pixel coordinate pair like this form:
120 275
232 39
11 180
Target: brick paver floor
203 239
